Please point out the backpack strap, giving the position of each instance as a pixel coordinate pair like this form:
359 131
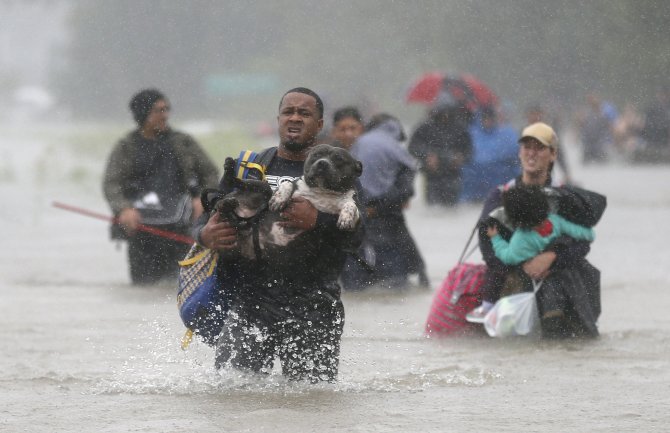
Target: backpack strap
467 253
266 156
246 165
252 165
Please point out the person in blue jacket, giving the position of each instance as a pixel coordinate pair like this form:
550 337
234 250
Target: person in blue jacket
495 156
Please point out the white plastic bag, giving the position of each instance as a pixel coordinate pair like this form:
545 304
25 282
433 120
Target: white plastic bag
513 315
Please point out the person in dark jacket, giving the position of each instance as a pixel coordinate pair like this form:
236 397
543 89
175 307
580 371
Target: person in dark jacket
288 307
443 145
569 301
154 176
388 185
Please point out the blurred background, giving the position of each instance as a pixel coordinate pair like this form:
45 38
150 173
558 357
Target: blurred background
79 336
67 60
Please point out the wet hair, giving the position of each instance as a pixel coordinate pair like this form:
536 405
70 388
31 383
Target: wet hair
347 112
142 102
525 205
306 91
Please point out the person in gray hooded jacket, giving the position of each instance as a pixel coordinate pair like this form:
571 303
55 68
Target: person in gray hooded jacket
387 183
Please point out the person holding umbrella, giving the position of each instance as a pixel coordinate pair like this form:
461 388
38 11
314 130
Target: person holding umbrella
443 145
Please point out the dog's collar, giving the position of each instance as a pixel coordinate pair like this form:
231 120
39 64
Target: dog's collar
246 222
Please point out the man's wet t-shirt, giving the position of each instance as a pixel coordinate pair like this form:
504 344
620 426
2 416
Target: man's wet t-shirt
290 170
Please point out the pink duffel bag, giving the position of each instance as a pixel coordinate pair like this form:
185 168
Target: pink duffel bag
459 293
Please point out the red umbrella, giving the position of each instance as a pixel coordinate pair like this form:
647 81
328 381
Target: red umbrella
483 95
426 88
466 88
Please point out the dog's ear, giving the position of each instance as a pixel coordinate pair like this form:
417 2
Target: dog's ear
209 197
229 174
229 167
359 168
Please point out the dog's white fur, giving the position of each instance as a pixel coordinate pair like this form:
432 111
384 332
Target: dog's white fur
324 200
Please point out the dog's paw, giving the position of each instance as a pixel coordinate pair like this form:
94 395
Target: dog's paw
281 198
278 201
349 217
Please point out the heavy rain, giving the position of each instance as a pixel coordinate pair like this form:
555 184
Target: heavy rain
91 346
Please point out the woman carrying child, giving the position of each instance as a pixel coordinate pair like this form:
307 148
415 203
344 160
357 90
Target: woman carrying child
569 301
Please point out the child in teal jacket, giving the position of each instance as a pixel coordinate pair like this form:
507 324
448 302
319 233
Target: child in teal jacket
527 209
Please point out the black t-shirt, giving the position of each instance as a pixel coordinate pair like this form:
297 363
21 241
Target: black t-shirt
283 170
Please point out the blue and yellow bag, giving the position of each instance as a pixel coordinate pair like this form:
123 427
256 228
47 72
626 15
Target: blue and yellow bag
201 298
200 301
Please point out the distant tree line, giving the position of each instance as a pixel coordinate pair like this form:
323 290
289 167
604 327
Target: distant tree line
364 52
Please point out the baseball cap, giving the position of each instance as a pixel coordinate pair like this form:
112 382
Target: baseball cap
541 132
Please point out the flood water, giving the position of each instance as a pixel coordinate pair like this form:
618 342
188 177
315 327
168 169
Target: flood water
82 350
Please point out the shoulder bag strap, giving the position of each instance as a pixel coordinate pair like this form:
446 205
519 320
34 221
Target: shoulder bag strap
465 254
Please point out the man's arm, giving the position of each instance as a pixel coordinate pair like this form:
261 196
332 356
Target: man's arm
399 193
117 173
301 214
217 234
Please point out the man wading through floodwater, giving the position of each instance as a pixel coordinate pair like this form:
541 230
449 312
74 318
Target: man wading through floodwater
290 309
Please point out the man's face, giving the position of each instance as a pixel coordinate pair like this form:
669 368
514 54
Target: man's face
158 116
299 121
347 130
535 157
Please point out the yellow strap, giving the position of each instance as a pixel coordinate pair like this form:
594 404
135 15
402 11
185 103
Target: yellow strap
257 167
186 339
187 262
212 266
243 164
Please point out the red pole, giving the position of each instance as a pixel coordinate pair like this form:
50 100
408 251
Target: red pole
145 228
